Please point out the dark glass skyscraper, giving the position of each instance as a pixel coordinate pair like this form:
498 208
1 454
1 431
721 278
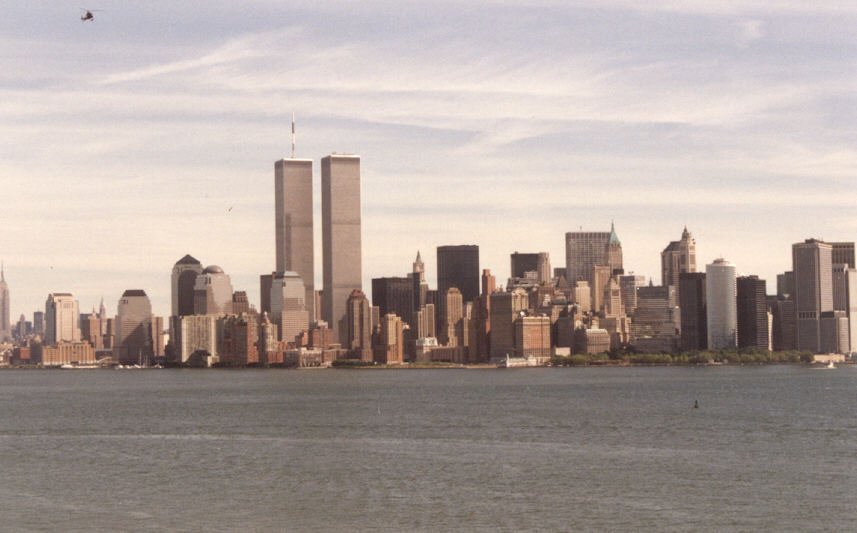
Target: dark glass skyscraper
752 313
458 266
694 327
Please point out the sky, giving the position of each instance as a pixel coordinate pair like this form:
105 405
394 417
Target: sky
151 133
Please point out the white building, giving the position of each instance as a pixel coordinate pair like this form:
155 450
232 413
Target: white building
61 319
722 306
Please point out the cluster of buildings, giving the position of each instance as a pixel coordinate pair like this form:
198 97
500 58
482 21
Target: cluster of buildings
588 305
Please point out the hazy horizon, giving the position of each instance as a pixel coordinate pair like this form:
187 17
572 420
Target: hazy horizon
151 133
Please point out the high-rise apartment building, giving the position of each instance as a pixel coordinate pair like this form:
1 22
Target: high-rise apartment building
694 318
341 238
61 319
721 305
183 280
586 249
679 256
293 224
133 340
812 264
752 308
458 266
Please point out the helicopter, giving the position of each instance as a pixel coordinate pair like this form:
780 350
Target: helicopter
87 15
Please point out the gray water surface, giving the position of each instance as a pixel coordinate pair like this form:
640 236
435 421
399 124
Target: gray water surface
770 448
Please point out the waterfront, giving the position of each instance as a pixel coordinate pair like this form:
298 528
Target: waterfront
771 447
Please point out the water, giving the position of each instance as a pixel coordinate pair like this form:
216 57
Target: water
770 448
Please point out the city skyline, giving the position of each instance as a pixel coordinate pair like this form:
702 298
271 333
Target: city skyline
148 135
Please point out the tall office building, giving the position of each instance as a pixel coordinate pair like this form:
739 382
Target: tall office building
5 322
786 285
842 252
584 250
212 292
288 305
752 308
679 256
458 266
61 319
359 327
183 280
390 348
395 296
521 263
505 308
39 323
452 333
653 328
133 338
812 264
293 223
419 285
721 305
694 326
628 285
340 225
851 308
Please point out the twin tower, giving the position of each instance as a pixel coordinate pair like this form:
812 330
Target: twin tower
340 227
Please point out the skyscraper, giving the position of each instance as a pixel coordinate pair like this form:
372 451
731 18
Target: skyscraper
586 249
721 305
694 326
293 223
183 279
679 256
539 263
452 333
842 252
752 308
505 307
288 305
5 323
359 328
340 225
458 266
133 341
812 264
212 292
395 296
61 319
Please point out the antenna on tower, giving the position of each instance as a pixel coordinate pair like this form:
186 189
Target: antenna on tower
293 134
